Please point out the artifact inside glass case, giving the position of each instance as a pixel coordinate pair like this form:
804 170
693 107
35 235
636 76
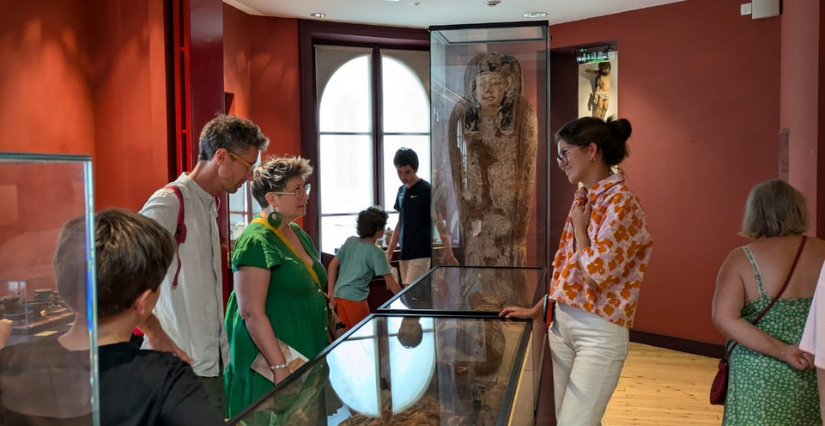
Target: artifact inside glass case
600 98
32 304
492 154
38 376
397 370
489 109
489 114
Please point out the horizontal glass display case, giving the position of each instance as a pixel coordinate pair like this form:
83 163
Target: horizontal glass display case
483 292
40 194
406 370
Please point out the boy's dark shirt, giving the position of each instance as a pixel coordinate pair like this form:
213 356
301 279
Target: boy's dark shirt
42 383
416 227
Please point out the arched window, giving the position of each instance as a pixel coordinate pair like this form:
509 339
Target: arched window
359 131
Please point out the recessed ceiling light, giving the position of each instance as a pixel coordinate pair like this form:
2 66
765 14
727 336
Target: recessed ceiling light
535 14
392 0
416 3
317 15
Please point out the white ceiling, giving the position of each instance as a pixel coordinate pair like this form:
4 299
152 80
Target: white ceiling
440 12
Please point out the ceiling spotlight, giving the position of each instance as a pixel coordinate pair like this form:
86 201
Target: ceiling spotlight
318 15
492 3
535 14
416 3
392 0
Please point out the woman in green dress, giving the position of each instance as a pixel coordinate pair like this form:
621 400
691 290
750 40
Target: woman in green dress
771 381
278 285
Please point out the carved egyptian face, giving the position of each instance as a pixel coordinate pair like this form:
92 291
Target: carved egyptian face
491 88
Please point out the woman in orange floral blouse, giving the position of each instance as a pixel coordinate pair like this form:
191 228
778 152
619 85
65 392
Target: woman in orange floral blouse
603 255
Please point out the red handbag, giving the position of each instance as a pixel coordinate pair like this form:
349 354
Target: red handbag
719 387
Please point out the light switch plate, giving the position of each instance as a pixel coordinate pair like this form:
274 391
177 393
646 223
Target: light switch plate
745 9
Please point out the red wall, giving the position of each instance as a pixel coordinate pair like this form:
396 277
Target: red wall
47 105
700 84
77 77
88 78
128 79
802 99
236 54
261 69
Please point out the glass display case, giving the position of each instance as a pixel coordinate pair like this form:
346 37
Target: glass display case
484 292
489 91
406 370
437 353
40 194
474 291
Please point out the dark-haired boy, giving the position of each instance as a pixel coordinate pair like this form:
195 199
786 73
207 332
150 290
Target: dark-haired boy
414 228
47 381
359 260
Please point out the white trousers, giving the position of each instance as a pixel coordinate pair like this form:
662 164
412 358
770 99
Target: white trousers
413 269
588 355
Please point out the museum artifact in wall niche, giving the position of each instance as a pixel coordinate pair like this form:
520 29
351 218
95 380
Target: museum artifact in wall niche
600 98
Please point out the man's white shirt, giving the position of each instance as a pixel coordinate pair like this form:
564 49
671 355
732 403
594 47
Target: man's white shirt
192 313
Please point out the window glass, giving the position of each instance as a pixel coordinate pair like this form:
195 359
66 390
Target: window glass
345 103
406 107
347 173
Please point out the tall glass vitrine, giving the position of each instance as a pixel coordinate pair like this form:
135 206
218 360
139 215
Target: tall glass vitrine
40 378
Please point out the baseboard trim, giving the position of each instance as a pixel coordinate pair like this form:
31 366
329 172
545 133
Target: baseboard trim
678 344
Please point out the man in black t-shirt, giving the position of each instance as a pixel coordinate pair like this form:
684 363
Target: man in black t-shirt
414 228
46 382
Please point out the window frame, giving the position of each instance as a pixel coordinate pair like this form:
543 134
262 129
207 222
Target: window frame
311 33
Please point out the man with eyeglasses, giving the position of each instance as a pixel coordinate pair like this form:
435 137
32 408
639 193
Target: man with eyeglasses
188 319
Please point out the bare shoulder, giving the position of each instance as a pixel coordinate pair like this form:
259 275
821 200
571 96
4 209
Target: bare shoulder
815 247
737 257
734 263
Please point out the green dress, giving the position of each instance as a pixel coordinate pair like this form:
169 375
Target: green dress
295 305
762 390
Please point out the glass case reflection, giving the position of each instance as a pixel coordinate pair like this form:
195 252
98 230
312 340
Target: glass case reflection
460 289
397 370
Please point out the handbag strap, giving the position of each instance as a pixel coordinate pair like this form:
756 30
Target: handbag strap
778 295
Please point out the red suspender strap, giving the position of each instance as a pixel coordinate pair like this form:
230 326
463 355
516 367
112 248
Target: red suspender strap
180 229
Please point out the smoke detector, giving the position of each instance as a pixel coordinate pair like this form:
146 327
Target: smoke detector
492 3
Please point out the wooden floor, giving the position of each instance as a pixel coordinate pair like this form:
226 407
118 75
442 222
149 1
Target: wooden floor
663 387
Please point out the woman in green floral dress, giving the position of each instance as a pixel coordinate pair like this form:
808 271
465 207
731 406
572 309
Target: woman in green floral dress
771 381
278 286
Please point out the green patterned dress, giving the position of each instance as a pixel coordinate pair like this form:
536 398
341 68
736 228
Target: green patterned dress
295 305
762 390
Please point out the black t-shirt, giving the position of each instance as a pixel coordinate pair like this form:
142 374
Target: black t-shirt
41 384
416 227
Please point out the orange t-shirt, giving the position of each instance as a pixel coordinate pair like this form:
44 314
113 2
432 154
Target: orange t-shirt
605 278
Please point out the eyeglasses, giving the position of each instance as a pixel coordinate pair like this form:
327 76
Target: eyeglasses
236 157
303 190
562 157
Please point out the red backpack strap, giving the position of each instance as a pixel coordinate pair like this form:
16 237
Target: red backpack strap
180 229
